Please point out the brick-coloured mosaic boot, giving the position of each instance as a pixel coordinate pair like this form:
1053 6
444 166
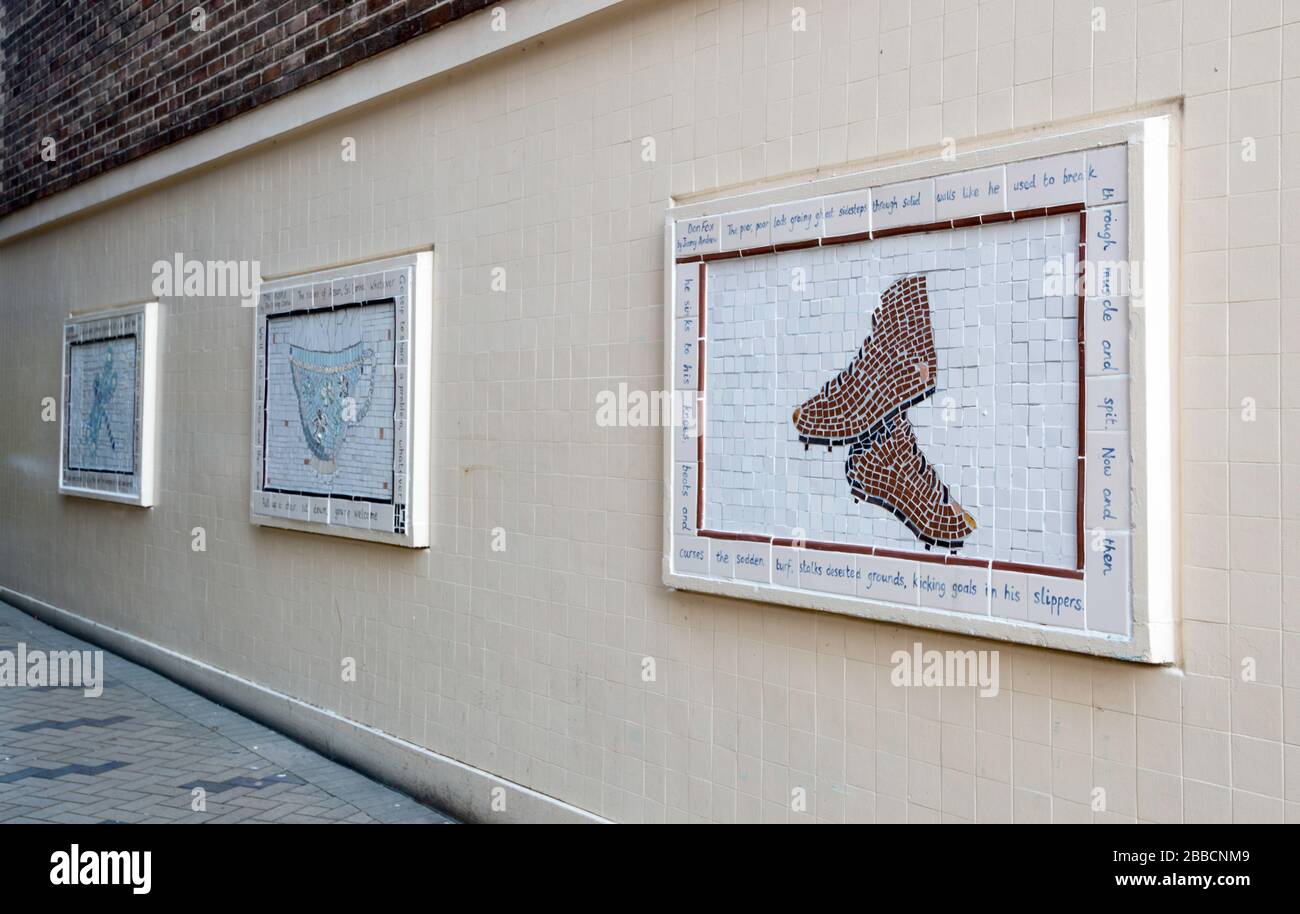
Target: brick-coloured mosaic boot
895 368
889 470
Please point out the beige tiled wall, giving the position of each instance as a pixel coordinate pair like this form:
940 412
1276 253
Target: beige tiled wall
528 663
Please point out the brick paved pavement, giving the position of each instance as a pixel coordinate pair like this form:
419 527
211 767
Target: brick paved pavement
137 752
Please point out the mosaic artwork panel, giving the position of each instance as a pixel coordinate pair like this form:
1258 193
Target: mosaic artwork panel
102 391
330 402
912 392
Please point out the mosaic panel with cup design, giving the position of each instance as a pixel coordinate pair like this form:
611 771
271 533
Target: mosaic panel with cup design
332 410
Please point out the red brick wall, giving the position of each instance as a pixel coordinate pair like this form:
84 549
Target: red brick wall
111 80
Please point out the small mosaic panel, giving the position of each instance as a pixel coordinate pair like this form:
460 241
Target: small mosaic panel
105 450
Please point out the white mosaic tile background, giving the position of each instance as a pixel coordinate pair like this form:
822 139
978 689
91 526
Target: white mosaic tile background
103 440
365 458
1002 426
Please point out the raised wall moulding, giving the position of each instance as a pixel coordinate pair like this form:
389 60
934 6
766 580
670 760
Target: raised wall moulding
341 401
915 398
108 421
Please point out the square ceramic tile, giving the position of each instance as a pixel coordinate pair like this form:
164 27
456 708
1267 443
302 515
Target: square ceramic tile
794 222
1108 581
685 499
1107 476
829 571
1059 602
691 554
686 290
896 205
1050 181
846 214
693 237
752 561
1107 175
749 229
970 193
889 580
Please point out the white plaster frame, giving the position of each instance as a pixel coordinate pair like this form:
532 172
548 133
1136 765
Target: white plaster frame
327 288
142 490
1153 198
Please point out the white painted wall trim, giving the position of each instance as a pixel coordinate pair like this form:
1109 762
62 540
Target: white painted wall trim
462 790
444 49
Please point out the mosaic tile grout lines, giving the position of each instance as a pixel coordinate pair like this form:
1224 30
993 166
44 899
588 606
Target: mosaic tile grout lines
1021 382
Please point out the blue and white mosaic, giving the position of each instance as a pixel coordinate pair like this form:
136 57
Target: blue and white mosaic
330 402
106 448
102 405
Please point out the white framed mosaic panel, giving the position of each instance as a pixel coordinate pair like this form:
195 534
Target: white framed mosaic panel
108 426
341 401
939 393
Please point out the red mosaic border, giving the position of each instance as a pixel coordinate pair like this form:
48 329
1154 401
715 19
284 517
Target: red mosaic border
703 260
